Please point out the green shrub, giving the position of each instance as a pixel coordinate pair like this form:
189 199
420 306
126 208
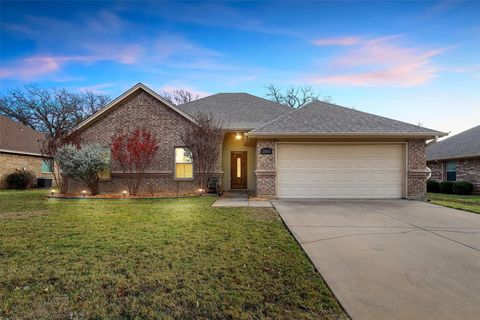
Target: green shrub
20 180
462 187
446 187
433 186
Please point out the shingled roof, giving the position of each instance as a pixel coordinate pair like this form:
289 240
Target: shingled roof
463 145
237 111
321 118
17 138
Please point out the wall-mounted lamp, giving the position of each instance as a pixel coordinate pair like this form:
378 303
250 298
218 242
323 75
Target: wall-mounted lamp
238 136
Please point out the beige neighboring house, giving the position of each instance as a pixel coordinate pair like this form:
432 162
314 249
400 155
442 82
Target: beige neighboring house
320 150
20 149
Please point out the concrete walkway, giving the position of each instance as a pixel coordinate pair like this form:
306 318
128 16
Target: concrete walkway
240 199
393 259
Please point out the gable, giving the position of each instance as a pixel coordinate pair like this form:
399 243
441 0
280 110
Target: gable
138 87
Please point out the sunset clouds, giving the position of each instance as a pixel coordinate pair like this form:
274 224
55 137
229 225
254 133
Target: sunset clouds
379 61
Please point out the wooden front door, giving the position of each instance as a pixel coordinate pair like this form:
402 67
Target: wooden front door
238 169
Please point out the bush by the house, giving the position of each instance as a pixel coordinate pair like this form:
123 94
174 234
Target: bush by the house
446 187
20 180
433 186
84 164
462 187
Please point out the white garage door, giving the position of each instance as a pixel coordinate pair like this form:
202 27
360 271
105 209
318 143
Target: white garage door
340 171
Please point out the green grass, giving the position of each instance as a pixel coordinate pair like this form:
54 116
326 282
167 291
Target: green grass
170 259
467 203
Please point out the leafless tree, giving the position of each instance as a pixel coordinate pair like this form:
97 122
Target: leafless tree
204 142
179 96
51 111
54 112
294 97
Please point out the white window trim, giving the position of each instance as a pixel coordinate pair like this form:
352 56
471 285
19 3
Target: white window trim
175 165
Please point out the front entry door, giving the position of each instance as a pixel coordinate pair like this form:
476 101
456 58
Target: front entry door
238 172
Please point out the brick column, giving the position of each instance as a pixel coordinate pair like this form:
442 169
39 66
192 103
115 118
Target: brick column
265 169
417 170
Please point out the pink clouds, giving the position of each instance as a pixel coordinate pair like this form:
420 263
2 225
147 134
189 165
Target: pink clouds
342 41
381 61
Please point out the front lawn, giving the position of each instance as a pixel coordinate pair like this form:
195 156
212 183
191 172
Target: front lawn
169 259
468 203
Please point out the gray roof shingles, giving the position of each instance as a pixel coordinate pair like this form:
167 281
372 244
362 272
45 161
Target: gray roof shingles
16 137
237 110
323 118
464 144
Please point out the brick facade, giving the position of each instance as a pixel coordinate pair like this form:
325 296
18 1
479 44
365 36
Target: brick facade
10 162
417 170
467 169
142 110
265 169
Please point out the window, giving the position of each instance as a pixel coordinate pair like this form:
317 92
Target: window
183 164
451 171
47 165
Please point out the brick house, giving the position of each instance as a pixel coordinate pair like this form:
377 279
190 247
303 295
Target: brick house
457 158
20 150
318 151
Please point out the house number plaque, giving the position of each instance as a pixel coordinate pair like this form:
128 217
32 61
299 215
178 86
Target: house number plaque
266 151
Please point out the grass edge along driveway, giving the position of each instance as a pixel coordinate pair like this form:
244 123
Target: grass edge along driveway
170 258
462 202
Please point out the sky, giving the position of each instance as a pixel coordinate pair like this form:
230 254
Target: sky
417 62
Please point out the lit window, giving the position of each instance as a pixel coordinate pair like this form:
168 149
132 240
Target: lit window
239 167
47 165
451 171
183 164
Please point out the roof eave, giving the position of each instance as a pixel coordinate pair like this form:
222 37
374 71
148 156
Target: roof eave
121 98
468 156
36 154
423 135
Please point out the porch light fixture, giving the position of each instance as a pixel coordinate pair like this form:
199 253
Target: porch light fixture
84 193
238 136
124 192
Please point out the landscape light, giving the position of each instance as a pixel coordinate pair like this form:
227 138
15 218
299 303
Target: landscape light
84 192
52 192
200 190
124 192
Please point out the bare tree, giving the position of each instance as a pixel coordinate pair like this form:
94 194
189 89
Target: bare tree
294 97
179 96
204 142
51 111
54 112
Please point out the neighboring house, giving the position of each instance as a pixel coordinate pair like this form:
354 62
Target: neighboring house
457 158
20 149
318 151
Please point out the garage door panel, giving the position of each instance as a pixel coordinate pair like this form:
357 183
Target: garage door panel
340 171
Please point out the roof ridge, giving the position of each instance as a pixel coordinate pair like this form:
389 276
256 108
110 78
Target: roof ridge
276 119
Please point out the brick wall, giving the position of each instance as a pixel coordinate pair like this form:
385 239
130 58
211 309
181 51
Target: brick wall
417 171
265 169
437 168
141 110
10 162
467 169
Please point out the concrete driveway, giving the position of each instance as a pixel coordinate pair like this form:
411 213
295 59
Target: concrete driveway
392 259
